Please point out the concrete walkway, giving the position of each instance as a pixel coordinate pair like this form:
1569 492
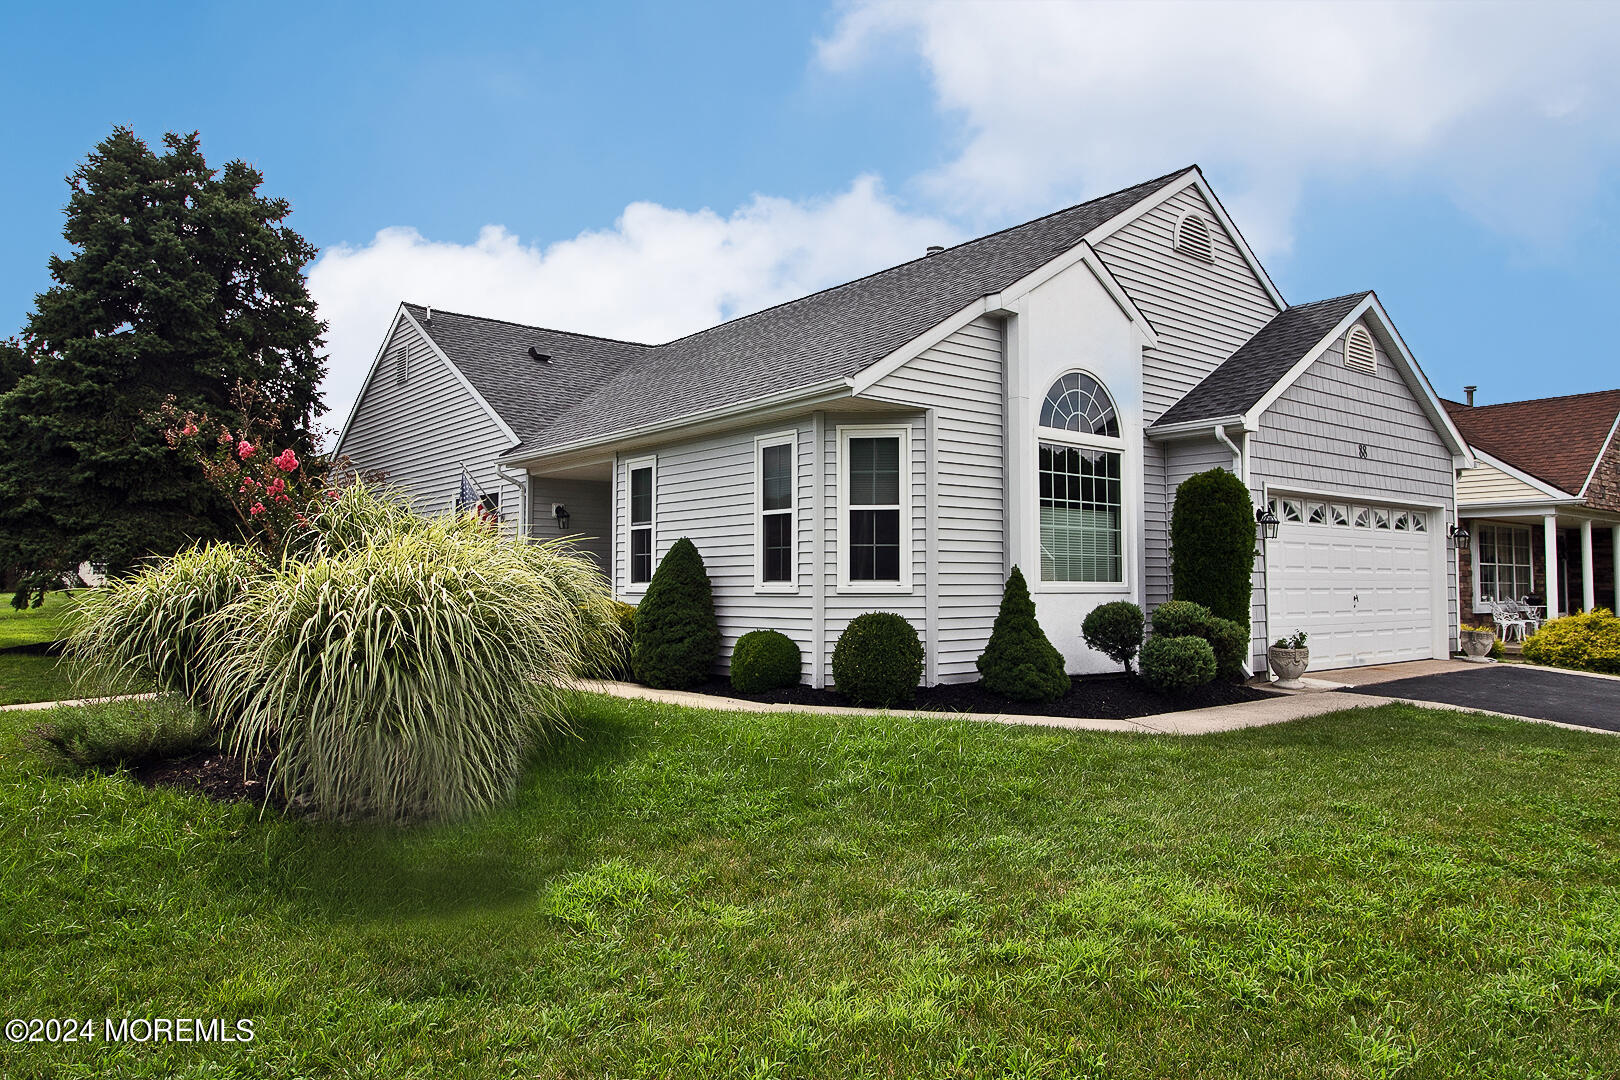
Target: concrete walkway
1332 691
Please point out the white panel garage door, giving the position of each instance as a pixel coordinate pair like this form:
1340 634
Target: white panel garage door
1359 578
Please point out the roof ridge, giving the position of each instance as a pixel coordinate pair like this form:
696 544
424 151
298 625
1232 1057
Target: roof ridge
1156 181
1534 401
1328 300
530 326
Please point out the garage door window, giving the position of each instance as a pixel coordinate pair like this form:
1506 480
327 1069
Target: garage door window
1504 563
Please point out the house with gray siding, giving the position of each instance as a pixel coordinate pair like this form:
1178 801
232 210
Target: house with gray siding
900 442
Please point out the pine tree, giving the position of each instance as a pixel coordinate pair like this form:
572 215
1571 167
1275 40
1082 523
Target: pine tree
182 281
1019 661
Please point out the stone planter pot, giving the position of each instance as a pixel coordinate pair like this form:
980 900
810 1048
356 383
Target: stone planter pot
1288 665
1477 644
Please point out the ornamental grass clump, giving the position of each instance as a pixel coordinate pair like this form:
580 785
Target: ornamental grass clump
407 679
155 626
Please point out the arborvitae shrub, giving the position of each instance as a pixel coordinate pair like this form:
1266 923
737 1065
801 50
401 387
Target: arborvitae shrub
765 660
677 639
1174 665
1019 661
878 660
1212 543
1115 630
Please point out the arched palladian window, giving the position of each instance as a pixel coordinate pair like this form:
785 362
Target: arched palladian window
1082 505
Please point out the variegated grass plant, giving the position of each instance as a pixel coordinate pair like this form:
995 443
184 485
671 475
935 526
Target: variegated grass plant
155 626
406 676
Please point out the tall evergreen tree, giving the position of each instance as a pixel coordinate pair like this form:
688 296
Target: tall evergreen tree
182 280
14 364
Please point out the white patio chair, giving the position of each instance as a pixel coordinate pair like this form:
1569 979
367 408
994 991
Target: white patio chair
1509 624
1532 618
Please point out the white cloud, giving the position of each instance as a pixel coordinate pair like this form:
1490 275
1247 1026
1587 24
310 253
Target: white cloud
1509 109
656 274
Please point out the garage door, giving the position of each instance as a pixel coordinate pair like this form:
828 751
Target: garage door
1359 578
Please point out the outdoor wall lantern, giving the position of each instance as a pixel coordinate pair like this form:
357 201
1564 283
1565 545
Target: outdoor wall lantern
1267 521
562 516
1459 536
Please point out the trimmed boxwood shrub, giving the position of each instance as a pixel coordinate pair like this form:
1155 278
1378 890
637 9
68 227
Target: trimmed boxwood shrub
1174 665
878 660
1589 641
1115 630
1228 639
1212 543
677 639
765 660
1019 661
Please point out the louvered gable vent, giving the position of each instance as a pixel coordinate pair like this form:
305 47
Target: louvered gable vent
1359 352
1192 237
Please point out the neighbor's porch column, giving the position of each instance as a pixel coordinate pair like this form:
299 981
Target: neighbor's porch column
1588 575
1549 538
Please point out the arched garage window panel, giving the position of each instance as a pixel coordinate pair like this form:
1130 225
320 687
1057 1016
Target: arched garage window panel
1077 402
1081 490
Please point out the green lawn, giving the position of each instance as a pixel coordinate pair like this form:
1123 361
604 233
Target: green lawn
27 676
681 893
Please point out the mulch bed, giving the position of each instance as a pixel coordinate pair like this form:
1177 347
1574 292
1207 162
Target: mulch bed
216 774
1103 697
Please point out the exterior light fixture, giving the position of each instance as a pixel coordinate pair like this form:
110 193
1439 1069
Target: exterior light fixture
1458 535
1267 521
562 516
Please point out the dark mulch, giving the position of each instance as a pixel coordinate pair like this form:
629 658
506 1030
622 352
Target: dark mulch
216 774
1104 697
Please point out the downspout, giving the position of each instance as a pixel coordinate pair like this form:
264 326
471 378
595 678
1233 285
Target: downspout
1239 471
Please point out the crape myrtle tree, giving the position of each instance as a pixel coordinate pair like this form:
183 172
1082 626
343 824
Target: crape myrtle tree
183 281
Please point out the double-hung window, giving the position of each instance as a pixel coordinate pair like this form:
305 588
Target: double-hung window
875 509
641 482
1081 485
773 486
1503 559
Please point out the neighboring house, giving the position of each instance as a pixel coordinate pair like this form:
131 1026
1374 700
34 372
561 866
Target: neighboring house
1032 397
1542 504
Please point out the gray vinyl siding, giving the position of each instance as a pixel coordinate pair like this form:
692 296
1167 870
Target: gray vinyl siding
590 513
704 490
420 432
1310 438
1201 313
961 381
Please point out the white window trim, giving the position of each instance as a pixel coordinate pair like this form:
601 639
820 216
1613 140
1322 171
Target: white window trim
1038 583
790 439
630 466
1473 558
1372 347
1180 228
907 555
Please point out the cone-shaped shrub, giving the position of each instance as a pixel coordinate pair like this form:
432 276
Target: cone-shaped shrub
878 660
677 639
1020 662
1212 544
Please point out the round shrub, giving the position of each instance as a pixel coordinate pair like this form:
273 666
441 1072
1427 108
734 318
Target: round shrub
1212 543
1115 630
1589 641
1230 641
1181 618
1174 665
1019 661
878 660
677 639
765 660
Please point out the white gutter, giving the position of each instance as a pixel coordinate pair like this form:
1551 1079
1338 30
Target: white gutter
1237 455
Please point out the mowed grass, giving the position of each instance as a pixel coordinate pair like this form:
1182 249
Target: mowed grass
1388 892
32 676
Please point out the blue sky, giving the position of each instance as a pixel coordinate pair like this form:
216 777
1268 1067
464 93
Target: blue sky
641 170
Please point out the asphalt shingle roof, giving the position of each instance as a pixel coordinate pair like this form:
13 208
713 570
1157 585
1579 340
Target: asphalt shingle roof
1554 439
1245 376
494 356
596 387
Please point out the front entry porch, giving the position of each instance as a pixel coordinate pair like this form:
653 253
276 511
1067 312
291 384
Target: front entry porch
1565 561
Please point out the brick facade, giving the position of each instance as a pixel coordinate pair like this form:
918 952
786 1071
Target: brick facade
1569 548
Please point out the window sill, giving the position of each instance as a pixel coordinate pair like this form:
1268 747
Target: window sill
876 588
781 589
1080 587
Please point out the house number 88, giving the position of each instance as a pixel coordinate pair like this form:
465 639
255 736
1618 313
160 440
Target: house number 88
1361 448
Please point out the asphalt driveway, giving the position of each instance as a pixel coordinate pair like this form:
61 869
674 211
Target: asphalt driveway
1516 689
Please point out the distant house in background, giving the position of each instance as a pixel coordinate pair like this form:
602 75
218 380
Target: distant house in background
1542 503
899 442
